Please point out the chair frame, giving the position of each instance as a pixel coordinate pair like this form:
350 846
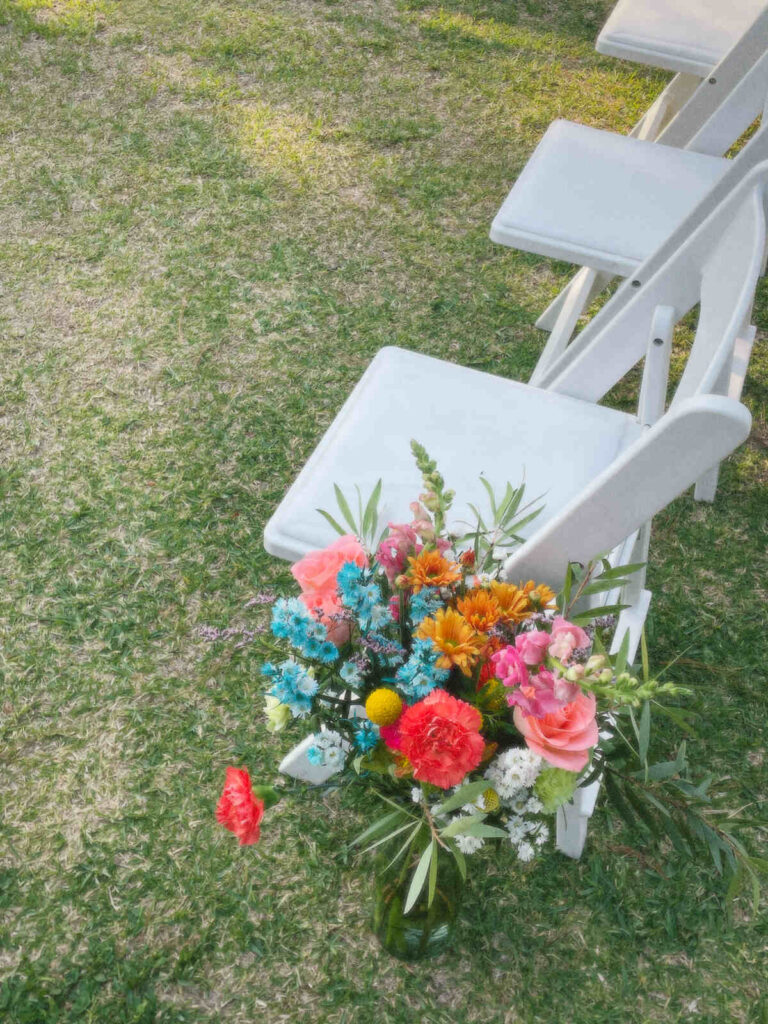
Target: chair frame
711 117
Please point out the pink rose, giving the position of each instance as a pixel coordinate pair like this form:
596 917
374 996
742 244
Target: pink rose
400 542
533 645
563 737
565 639
316 575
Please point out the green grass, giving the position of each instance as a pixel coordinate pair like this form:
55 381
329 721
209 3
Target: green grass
212 216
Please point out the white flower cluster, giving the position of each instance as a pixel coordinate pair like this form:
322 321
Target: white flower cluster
468 844
526 834
514 770
329 748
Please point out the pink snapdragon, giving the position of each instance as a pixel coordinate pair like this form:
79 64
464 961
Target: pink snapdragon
533 645
535 694
509 667
565 639
545 693
392 555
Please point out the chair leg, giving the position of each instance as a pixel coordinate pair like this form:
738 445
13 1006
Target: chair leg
573 818
549 317
666 106
570 304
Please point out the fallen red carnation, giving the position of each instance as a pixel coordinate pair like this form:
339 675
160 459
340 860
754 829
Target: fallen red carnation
238 809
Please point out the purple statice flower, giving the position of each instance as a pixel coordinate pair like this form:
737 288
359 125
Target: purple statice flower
263 597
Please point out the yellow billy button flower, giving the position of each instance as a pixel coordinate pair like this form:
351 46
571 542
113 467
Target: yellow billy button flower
383 706
491 800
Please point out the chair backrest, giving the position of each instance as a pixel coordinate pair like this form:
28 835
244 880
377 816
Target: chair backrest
718 267
727 295
662 463
729 100
616 339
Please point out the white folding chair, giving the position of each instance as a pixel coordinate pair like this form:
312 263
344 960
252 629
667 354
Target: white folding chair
690 37
603 474
608 201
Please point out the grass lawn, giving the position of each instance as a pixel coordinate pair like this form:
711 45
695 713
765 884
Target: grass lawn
212 215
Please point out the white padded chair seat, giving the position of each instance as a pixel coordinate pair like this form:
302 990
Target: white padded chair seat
470 422
602 200
691 36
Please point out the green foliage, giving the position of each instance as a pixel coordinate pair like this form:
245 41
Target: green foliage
660 799
364 526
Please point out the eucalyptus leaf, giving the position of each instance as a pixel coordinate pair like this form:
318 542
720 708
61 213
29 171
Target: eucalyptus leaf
459 826
378 826
644 734
466 795
344 508
432 873
419 878
329 518
481 831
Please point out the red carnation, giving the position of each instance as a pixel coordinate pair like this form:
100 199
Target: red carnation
441 738
238 809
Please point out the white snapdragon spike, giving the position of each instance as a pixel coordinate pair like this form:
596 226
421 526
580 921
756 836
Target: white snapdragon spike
515 770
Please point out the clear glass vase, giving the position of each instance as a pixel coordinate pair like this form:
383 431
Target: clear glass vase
425 930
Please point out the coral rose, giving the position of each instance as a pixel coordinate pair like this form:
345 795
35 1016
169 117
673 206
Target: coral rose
563 737
441 738
238 809
316 575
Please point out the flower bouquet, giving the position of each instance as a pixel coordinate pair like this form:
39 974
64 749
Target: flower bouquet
473 705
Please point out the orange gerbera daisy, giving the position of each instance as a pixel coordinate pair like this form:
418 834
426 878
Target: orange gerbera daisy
513 602
480 609
539 595
431 569
454 638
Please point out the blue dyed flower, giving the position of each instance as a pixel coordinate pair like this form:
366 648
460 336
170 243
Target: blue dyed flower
350 673
316 756
292 621
419 676
366 735
362 596
425 603
292 685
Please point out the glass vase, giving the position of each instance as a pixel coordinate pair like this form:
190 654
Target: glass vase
425 930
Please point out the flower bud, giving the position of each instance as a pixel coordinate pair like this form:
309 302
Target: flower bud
596 663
